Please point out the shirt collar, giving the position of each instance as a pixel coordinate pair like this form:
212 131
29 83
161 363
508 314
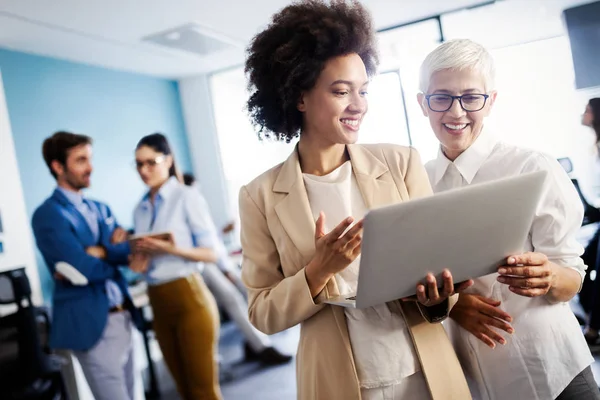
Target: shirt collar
469 162
165 190
75 198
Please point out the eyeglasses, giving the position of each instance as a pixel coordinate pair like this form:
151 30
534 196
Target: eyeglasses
468 102
150 163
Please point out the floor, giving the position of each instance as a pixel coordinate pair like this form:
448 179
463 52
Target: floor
596 351
596 366
245 380
250 381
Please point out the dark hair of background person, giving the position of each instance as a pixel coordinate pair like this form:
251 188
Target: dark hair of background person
595 106
188 179
57 146
287 58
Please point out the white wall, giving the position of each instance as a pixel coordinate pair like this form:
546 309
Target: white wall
243 155
16 238
205 154
509 22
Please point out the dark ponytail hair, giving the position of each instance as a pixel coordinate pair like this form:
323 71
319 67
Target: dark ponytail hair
159 143
595 106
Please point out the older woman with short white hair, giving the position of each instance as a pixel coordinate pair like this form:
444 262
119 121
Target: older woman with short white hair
543 354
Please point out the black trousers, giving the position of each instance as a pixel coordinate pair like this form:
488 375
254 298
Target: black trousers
582 387
590 292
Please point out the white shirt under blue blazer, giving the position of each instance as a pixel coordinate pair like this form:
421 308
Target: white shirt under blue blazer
181 210
62 233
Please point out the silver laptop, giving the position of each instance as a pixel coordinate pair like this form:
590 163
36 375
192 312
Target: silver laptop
470 231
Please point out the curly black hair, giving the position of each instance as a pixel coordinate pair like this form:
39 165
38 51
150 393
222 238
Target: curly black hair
287 58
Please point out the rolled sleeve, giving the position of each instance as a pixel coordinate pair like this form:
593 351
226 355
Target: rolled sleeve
201 225
581 274
558 217
203 239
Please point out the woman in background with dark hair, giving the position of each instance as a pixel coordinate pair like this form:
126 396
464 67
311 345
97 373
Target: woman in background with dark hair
591 117
186 318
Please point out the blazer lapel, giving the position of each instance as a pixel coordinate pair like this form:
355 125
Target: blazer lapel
296 217
294 210
369 172
103 224
74 216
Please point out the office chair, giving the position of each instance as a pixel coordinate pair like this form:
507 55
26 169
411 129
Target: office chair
27 372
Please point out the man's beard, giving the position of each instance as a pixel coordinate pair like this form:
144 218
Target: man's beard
77 184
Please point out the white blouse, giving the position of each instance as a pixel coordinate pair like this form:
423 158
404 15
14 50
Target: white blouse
547 349
381 344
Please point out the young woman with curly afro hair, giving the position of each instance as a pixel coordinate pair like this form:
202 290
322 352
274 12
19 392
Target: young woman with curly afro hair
301 221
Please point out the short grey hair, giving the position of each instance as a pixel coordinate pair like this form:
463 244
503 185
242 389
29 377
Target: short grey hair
459 54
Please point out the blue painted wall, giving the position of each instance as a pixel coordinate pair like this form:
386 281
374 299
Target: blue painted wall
115 108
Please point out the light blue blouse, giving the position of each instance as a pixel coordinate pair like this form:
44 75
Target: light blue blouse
181 210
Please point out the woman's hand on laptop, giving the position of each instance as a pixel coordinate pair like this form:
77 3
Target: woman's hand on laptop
334 251
478 315
532 274
529 274
429 295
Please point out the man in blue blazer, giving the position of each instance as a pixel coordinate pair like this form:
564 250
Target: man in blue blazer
94 320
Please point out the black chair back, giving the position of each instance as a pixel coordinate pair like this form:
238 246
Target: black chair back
21 329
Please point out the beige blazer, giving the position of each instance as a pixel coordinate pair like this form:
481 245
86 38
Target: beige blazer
277 234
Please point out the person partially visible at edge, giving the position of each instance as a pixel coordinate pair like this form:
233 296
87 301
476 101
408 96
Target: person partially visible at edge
309 73
591 119
524 307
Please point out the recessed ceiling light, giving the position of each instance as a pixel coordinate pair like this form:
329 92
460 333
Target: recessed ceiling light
173 35
194 38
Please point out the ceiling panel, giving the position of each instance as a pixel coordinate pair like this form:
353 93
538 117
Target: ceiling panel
110 33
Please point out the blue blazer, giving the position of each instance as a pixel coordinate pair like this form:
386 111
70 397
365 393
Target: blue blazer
79 313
